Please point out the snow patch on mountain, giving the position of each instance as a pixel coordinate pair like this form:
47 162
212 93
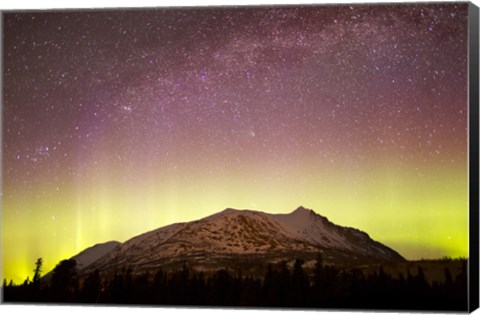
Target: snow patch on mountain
92 254
313 228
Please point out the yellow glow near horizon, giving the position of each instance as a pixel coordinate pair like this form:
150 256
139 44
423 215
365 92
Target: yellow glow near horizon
403 210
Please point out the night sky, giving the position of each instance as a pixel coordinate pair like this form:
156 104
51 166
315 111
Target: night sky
118 122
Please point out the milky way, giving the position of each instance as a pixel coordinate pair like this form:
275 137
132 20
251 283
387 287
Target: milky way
117 122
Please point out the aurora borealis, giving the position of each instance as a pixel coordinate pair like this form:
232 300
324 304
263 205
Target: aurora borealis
116 122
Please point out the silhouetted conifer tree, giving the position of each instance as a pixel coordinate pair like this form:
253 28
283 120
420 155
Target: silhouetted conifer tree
38 270
269 286
159 288
300 284
64 281
37 274
90 292
222 289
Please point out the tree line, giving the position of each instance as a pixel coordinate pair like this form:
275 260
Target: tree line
324 287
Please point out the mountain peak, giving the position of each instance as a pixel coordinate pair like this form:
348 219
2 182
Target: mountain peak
303 210
230 210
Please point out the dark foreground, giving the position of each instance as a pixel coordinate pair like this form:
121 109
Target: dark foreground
280 286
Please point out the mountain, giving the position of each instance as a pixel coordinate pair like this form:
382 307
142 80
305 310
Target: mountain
243 240
93 253
88 256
